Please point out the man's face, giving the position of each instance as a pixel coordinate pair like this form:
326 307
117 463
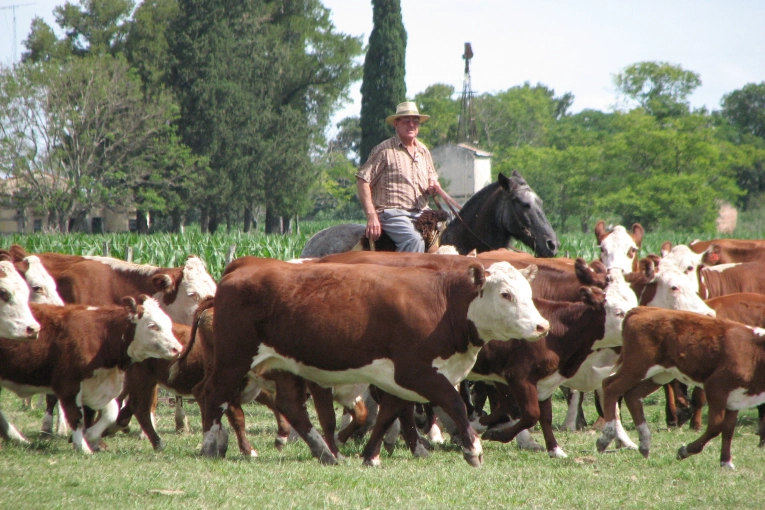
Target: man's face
407 127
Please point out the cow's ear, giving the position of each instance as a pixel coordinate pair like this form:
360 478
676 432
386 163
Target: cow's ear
637 234
591 296
142 298
598 267
5 256
712 255
130 304
530 272
600 231
666 247
17 252
22 266
583 273
647 267
164 282
478 274
472 253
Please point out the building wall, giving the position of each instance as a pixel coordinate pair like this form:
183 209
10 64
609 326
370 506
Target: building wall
482 173
465 172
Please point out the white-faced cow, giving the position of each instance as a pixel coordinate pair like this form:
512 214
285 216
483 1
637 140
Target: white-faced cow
619 248
726 357
80 356
411 332
728 251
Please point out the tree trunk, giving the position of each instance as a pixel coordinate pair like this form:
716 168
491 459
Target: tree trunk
286 225
228 221
204 220
142 222
214 220
273 222
247 219
178 219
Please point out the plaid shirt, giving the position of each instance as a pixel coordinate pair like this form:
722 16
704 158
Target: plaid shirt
395 177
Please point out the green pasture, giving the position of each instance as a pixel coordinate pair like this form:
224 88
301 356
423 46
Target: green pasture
48 474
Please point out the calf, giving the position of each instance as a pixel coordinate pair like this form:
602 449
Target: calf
413 333
81 354
727 251
726 357
619 248
532 371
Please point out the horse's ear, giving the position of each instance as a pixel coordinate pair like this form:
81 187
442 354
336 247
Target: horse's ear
511 184
503 181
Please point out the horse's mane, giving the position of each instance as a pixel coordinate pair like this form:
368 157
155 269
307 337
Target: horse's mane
474 203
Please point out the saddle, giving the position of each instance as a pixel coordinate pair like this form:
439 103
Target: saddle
430 224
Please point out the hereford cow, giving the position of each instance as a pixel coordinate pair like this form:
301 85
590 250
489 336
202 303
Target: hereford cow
619 248
41 284
413 333
728 251
16 319
726 357
532 371
81 354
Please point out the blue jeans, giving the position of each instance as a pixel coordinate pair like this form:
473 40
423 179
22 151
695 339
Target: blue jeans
398 224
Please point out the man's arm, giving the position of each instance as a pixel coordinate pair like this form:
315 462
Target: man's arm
365 197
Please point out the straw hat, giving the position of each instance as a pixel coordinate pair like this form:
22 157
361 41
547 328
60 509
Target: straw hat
407 109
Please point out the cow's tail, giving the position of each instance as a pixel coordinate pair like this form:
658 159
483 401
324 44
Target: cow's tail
202 307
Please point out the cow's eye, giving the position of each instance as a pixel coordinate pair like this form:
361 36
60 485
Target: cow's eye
674 288
5 295
37 289
620 314
688 269
153 326
508 296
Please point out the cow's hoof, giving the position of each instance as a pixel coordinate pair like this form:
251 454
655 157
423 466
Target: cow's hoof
253 454
372 462
624 444
279 442
762 443
492 435
328 459
389 447
727 465
341 458
420 452
160 446
644 451
473 459
557 453
682 453
602 443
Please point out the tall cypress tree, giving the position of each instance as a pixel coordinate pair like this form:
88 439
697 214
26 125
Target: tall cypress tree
384 69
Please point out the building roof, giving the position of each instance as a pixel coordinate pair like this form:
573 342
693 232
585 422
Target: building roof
475 150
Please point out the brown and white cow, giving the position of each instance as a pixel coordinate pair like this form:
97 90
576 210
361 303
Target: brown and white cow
16 319
619 248
728 251
570 354
80 355
412 333
726 357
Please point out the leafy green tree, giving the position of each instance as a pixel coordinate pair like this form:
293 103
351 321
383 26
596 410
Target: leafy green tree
383 86
662 89
146 46
444 112
745 109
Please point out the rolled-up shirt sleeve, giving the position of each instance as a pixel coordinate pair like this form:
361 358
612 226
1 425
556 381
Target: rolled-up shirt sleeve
370 170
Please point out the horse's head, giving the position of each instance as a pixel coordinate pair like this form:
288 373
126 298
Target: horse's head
524 218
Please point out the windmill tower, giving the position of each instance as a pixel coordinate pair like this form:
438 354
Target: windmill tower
466 130
13 9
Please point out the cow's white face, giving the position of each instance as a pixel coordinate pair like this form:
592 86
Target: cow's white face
153 335
195 285
684 260
16 320
504 308
620 299
618 250
41 283
675 292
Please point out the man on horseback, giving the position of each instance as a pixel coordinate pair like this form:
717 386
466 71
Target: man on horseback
394 183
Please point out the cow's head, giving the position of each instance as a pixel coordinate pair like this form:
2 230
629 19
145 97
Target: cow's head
41 284
672 289
153 331
180 290
16 320
619 248
503 308
620 299
685 261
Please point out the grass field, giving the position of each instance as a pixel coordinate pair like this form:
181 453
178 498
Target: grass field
48 474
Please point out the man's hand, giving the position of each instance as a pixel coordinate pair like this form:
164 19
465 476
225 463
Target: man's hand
374 229
433 188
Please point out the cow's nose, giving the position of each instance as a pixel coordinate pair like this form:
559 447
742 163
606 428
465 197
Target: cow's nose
33 332
543 328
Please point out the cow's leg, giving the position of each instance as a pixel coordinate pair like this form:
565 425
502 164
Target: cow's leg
634 399
212 403
9 432
614 387
235 416
717 396
761 428
359 414
729 427
574 399
74 418
325 411
50 407
181 420
140 402
389 409
282 425
545 420
409 431
670 406
698 399
109 415
525 394
599 409
290 401
465 394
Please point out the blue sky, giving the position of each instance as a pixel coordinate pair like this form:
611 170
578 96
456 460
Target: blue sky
568 45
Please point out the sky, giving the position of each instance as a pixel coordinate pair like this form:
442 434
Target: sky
571 46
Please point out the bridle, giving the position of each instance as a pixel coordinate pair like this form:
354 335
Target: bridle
524 229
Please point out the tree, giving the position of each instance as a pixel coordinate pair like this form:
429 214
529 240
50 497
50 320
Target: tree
745 109
383 86
79 135
444 112
662 89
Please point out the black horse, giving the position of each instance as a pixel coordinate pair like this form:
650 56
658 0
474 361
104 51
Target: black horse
501 211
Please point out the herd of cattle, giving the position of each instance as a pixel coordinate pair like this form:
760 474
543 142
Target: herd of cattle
100 335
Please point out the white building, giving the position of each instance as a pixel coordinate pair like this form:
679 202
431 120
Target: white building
463 169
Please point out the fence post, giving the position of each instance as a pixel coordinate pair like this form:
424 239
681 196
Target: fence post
230 254
107 251
129 254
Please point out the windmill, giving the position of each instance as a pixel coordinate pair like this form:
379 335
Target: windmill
13 9
466 130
